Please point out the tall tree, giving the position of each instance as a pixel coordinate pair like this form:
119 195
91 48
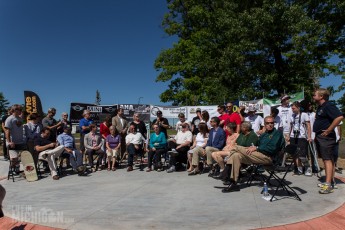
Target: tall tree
241 49
3 104
98 98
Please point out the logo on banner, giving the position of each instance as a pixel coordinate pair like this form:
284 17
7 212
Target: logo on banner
78 108
110 109
95 109
154 111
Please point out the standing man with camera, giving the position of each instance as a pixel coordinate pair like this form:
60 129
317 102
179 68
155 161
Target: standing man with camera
327 118
162 122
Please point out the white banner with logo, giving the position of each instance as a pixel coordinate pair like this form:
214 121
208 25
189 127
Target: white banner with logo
167 111
211 109
258 105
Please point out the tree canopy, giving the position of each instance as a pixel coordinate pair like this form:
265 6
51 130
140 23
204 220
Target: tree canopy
241 49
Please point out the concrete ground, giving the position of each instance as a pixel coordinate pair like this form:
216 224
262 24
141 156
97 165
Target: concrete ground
158 200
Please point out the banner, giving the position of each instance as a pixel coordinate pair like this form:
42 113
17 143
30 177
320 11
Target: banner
97 112
167 111
268 103
32 103
257 104
130 109
211 109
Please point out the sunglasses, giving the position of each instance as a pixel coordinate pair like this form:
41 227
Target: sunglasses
269 123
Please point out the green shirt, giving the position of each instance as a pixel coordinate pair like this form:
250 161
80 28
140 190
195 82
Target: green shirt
271 143
247 140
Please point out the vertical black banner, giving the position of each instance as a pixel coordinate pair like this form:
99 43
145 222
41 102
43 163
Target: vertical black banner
32 103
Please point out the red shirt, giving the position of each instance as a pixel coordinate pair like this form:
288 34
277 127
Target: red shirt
104 130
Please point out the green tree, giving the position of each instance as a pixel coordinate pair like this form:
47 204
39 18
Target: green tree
98 98
241 49
3 104
341 103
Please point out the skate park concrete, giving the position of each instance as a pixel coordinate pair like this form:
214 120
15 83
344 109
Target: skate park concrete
158 200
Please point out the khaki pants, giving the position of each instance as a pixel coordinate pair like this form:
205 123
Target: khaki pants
197 152
239 156
209 150
52 154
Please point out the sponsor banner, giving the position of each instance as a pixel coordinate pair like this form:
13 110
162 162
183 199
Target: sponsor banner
167 111
32 103
257 104
268 103
130 109
98 112
211 109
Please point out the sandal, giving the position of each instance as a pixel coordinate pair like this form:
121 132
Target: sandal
109 169
113 169
189 170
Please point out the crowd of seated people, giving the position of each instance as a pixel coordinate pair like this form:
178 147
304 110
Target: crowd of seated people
221 145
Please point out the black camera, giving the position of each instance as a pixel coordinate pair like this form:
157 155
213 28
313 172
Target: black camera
296 133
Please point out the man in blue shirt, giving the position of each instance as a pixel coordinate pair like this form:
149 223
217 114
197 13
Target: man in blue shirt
327 118
84 126
70 151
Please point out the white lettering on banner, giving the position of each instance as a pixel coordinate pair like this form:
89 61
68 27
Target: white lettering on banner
127 107
95 109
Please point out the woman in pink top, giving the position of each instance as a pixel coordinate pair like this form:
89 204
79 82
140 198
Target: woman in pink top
230 144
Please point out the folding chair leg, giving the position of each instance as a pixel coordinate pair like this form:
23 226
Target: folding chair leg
10 172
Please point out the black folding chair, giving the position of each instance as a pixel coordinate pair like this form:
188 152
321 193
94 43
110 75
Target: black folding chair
276 168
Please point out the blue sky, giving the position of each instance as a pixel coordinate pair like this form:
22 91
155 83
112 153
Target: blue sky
65 50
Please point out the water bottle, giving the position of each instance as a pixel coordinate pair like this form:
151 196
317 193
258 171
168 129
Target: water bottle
265 190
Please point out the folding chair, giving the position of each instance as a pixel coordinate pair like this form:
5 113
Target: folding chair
275 169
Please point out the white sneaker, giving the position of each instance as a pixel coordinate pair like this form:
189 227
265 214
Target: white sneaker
308 172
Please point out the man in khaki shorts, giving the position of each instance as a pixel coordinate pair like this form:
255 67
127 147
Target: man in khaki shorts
15 135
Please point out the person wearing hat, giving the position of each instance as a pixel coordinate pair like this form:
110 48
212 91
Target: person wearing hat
256 120
182 120
51 124
162 122
32 130
285 112
70 151
195 122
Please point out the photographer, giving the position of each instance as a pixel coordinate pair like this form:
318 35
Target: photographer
300 135
162 122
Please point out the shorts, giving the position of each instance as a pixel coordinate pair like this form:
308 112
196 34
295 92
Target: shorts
15 152
113 153
325 146
302 144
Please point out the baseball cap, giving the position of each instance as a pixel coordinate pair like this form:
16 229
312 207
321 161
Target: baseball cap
285 97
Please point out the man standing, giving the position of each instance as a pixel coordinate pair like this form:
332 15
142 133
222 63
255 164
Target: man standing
256 120
4 147
195 122
84 126
51 124
223 117
182 120
233 117
327 118
162 122
270 143
285 112
14 132
121 125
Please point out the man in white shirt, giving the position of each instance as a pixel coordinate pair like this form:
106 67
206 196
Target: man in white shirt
285 113
179 147
134 143
182 120
256 120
